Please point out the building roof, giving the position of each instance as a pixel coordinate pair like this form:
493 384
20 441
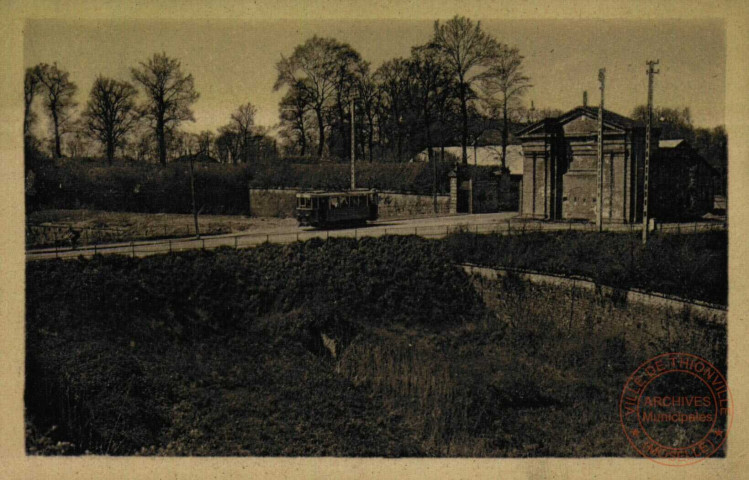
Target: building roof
485 156
679 150
671 143
341 193
610 119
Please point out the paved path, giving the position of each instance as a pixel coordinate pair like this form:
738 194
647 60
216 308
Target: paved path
431 227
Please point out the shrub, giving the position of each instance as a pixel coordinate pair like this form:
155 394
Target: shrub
221 353
220 188
692 266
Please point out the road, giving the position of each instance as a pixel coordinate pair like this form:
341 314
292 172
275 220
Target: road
431 227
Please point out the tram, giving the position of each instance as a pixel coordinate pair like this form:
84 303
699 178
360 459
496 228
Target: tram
322 209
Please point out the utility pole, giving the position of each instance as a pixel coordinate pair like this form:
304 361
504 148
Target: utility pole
599 213
648 126
353 148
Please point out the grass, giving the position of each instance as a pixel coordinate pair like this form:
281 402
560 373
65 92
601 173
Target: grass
222 353
97 226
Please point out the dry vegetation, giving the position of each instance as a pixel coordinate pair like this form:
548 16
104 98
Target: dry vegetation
222 353
692 266
44 227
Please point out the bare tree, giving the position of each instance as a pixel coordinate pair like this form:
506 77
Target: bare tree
31 86
243 123
369 99
350 68
59 99
227 144
674 123
505 79
205 140
76 139
393 78
110 113
466 48
143 143
315 66
294 109
431 85
169 95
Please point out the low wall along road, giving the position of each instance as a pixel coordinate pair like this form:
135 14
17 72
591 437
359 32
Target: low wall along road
281 203
712 312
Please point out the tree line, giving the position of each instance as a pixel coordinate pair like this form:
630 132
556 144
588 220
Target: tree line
455 88
461 87
150 129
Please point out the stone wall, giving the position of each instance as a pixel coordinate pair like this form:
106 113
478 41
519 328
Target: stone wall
279 203
713 313
402 205
282 202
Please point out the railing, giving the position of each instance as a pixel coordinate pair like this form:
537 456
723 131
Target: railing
249 240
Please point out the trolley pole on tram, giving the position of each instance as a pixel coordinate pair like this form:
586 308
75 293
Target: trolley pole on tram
353 148
648 126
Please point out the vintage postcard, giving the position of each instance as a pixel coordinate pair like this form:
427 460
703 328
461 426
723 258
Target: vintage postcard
350 239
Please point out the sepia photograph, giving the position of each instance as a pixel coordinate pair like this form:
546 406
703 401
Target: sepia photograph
461 237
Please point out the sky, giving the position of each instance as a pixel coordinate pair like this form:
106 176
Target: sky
233 62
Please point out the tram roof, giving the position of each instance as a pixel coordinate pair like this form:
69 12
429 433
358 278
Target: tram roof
347 193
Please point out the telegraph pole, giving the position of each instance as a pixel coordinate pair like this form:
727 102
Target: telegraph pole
648 126
599 214
353 148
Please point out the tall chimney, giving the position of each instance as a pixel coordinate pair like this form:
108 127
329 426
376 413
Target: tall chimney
585 98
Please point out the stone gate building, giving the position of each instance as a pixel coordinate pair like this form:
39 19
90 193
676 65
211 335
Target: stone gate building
560 171
560 167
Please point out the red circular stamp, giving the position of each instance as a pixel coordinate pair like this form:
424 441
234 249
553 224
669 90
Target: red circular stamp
676 409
